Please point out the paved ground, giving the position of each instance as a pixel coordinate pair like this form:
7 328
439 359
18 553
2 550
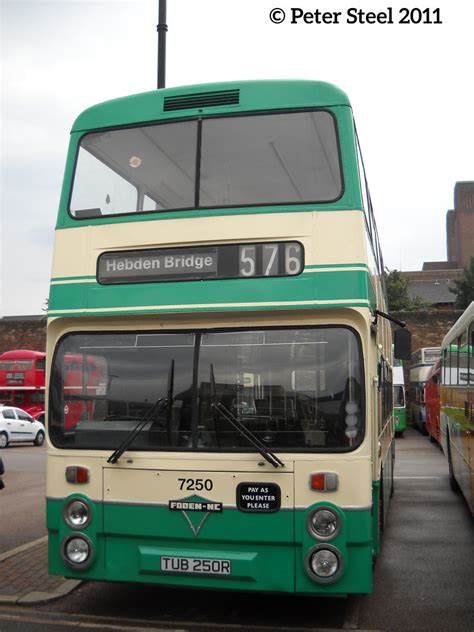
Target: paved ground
24 577
424 578
22 504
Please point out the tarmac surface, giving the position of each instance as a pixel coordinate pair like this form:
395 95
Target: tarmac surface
424 578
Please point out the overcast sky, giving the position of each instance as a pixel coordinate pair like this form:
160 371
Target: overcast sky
410 86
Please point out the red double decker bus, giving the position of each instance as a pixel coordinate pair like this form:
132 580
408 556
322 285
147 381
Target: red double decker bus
432 402
22 380
85 385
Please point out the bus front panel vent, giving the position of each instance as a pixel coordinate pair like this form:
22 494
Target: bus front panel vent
202 100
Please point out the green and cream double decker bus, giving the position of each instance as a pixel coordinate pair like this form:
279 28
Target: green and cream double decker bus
216 256
399 398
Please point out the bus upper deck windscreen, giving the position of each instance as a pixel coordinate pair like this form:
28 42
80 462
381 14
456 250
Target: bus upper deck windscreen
278 158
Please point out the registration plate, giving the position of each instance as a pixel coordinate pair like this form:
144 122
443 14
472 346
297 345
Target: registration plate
198 565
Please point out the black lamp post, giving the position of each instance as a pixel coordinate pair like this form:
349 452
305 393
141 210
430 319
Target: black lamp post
162 28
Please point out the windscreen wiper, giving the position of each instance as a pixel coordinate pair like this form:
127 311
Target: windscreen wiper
244 431
169 400
157 407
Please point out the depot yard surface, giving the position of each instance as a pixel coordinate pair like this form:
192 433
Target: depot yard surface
423 580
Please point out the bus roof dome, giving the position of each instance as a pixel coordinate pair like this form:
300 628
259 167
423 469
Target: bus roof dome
213 98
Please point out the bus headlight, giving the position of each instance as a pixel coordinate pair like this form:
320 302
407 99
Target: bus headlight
77 551
324 523
324 564
77 514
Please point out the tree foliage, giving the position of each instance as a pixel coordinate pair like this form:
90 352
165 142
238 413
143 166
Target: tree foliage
397 293
463 288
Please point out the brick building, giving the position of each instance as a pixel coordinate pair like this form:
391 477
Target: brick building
23 332
460 226
432 283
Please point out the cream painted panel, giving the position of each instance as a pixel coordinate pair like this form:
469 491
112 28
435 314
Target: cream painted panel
356 317
138 477
161 486
71 253
58 487
355 482
339 237
189 462
328 237
204 230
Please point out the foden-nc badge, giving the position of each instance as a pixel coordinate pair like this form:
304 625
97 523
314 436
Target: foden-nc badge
195 510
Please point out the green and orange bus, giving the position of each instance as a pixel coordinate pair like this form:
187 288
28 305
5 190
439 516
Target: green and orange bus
457 404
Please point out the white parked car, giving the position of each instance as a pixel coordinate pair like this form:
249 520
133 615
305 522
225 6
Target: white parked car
16 426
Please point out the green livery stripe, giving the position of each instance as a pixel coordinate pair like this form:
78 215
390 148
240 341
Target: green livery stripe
457 416
339 288
129 541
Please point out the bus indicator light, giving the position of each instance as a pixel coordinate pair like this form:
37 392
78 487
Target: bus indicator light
77 475
317 481
324 481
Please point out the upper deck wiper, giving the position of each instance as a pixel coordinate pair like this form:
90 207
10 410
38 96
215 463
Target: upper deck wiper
153 411
244 431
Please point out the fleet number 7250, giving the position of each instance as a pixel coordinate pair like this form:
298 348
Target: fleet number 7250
195 484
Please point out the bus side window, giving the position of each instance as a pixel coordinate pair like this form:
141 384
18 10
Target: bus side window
386 393
448 366
457 361
444 367
463 376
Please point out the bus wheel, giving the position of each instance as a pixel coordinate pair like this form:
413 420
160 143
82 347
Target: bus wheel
39 439
3 440
452 481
